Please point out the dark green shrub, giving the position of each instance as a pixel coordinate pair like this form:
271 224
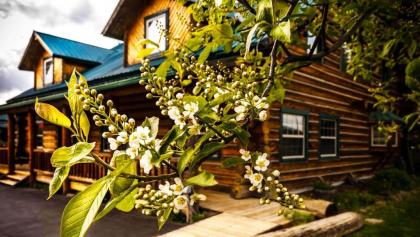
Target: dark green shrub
390 181
350 201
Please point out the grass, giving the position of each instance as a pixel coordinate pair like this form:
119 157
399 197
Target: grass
401 218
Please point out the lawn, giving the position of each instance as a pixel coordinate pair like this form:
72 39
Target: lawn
400 215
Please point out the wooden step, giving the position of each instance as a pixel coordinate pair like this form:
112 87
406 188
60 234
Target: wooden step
9 182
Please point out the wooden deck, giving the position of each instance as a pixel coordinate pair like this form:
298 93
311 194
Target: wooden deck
243 217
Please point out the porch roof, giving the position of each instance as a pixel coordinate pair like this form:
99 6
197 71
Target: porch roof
110 74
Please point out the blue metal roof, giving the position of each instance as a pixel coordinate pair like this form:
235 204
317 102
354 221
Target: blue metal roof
73 49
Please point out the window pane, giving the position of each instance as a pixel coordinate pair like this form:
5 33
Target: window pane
327 146
328 137
154 29
39 133
293 147
48 71
293 124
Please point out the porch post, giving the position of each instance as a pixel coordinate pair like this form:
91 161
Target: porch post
11 122
31 145
65 140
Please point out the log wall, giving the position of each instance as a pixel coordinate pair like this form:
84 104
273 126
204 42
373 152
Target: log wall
177 27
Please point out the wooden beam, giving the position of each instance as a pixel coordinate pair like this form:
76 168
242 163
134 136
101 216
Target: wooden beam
31 143
338 225
11 122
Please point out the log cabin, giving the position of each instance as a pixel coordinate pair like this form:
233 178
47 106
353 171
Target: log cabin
324 130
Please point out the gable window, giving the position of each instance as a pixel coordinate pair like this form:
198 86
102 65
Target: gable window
379 139
48 71
293 135
328 134
155 27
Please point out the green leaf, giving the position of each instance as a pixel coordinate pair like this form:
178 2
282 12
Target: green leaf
163 68
170 136
233 161
111 204
207 150
240 133
265 11
71 155
245 23
251 36
162 219
221 99
282 32
177 66
60 174
387 47
80 211
82 208
145 52
144 42
121 184
205 53
128 202
204 179
84 124
185 159
208 115
201 101
51 114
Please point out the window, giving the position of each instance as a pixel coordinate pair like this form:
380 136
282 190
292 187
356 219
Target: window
155 26
293 135
39 133
328 134
3 131
378 139
48 71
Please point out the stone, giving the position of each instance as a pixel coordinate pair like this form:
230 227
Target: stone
373 221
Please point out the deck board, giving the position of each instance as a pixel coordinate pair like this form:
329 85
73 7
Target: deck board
239 218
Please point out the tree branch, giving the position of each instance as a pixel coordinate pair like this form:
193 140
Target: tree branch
247 6
343 38
321 30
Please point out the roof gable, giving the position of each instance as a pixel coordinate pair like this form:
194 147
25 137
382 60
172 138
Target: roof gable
122 17
60 47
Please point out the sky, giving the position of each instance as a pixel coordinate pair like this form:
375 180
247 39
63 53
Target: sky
81 20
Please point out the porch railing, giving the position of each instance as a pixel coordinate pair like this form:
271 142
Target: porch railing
82 172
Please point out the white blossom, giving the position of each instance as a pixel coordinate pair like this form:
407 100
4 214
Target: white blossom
146 162
276 173
245 155
144 134
113 144
256 179
262 163
166 188
190 109
218 2
240 117
179 96
262 116
180 202
248 171
178 187
176 116
132 152
240 109
122 137
197 197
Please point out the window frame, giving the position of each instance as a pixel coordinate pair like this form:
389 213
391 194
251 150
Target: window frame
318 48
336 119
154 15
45 61
372 139
305 153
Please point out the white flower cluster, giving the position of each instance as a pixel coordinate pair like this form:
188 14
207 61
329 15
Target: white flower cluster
140 142
247 105
176 196
261 179
181 115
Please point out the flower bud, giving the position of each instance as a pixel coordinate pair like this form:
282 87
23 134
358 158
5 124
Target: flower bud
109 103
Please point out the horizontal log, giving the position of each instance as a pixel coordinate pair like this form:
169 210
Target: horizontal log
338 225
321 208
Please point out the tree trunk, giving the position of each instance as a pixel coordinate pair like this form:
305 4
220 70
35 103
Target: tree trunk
321 208
334 226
